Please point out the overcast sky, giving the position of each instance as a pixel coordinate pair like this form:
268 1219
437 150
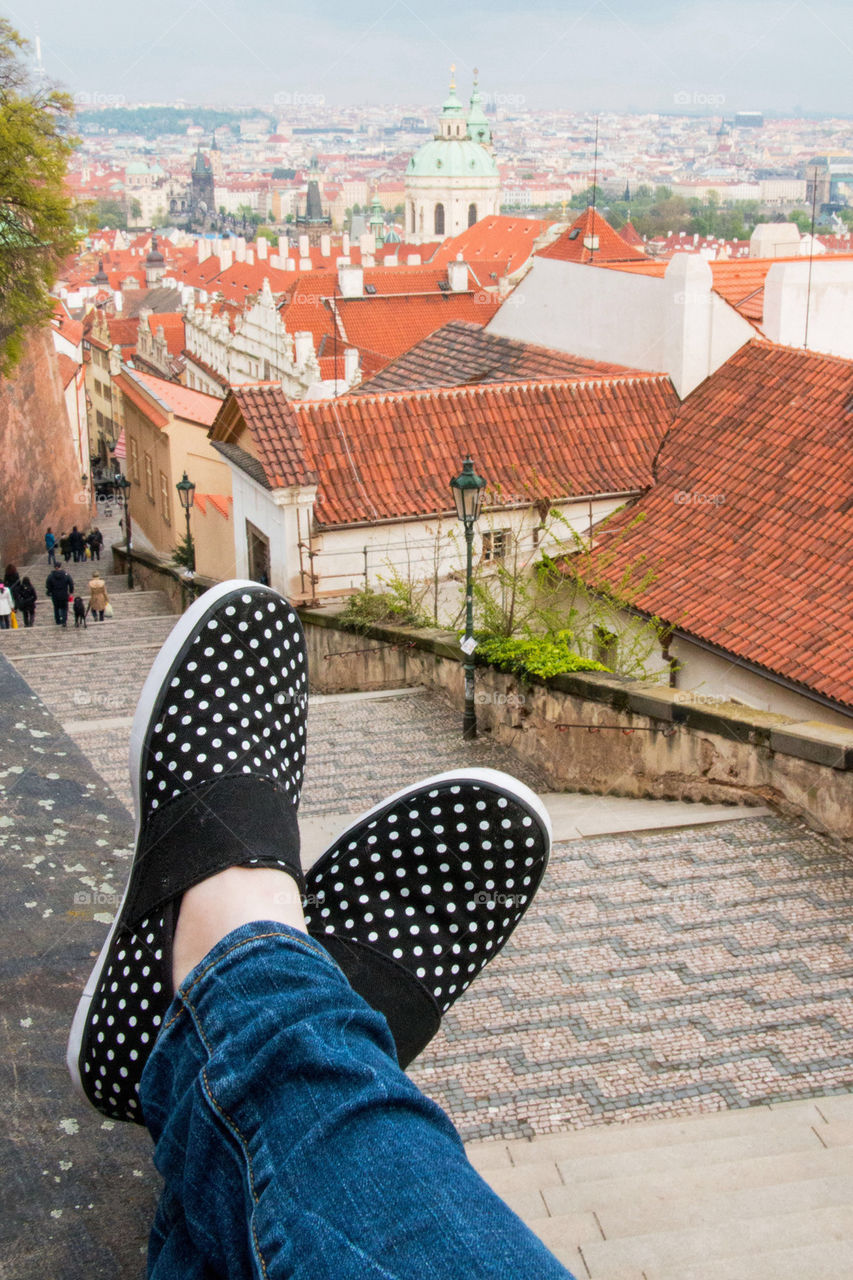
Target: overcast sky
727 56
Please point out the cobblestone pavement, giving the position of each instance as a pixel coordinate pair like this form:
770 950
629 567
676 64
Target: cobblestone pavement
659 975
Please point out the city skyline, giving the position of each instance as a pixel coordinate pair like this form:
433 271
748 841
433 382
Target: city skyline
781 58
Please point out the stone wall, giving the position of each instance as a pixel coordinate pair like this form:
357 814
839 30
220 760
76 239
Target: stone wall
151 574
608 735
41 473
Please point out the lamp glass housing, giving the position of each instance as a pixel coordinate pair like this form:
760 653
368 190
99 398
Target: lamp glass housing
186 492
467 490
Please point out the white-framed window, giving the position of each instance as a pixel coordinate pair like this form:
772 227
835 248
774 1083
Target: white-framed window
496 544
165 503
149 477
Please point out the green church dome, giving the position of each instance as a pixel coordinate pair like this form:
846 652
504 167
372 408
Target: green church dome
452 158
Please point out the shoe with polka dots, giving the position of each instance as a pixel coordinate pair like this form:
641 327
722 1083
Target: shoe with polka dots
418 895
217 758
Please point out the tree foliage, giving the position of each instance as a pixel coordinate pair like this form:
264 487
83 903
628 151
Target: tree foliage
36 219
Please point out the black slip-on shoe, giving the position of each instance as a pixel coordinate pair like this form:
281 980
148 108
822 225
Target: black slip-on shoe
217 755
419 894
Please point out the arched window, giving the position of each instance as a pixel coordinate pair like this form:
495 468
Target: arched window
439 219
472 214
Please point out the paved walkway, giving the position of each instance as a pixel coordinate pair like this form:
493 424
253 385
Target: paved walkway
660 977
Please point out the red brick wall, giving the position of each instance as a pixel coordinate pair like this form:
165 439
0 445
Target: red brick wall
40 474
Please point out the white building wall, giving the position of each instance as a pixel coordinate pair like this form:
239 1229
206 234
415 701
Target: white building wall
675 325
252 502
828 300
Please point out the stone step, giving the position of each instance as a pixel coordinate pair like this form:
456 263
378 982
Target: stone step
132 605
655 1255
37 574
116 636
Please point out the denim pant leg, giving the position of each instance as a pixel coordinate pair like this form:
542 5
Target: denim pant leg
292 1145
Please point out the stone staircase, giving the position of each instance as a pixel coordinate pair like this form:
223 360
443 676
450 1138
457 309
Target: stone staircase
90 677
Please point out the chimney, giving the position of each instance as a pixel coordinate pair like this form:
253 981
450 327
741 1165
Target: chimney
351 363
240 249
305 264
283 246
367 242
250 257
202 249
226 259
345 243
303 348
290 264
457 276
275 262
262 248
351 281
413 260
390 260
304 247
326 246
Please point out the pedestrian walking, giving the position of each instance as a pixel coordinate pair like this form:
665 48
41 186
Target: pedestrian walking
77 543
65 546
98 598
12 582
59 586
27 597
95 541
5 607
50 544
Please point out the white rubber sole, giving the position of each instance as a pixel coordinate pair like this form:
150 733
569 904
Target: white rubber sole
169 653
494 778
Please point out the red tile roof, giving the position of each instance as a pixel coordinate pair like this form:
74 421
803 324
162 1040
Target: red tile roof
172 324
391 325
501 244
67 368
462 353
123 332
390 457
749 526
168 398
570 246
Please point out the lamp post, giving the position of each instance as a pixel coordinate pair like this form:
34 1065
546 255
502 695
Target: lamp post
123 485
186 493
467 490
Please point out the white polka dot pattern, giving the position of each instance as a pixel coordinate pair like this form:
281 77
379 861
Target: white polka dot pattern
437 881
234 702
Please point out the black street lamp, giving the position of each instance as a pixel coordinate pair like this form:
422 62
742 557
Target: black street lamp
467 490
186 493
123 485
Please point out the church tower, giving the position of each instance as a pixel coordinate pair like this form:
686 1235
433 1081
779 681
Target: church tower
452 181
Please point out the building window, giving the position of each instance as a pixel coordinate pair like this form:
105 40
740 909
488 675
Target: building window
149 477
472 214
439 219
100 418
134 460
496 544
165 507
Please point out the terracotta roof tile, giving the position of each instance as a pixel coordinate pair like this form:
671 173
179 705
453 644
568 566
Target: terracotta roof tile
172 397
461 353
388 326
574 244
750 524
387 457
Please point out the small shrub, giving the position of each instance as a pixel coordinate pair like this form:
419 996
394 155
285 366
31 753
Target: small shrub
548 655
369 606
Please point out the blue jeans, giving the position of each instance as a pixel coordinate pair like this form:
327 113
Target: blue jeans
60 612
292 1145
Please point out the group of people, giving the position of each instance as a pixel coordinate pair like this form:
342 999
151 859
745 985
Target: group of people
60 587
75 545
17 596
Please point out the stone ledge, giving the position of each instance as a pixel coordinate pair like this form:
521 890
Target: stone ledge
811 740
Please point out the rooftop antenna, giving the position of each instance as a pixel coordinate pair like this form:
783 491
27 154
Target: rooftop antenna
811 259
594 192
